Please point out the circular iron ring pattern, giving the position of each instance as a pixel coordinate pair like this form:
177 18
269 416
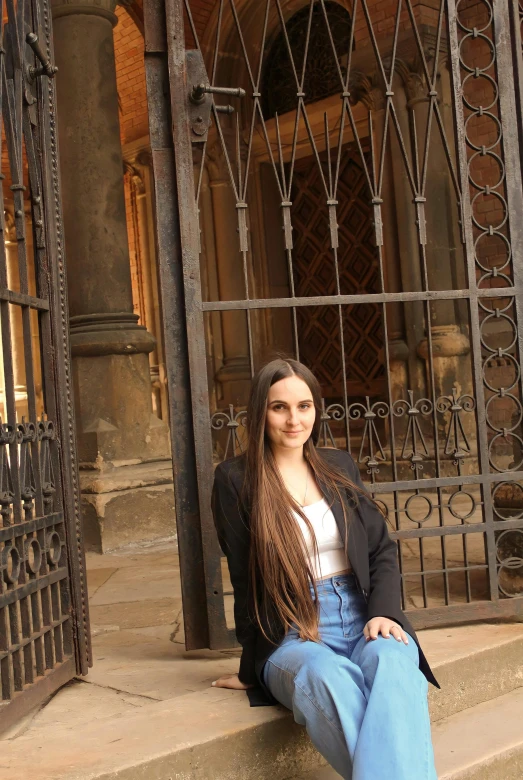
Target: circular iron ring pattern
33 555
509 512
459 512
54 548
511 562
489 234
10 564
418 503
479 62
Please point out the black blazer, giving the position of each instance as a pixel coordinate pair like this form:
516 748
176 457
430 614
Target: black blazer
372 556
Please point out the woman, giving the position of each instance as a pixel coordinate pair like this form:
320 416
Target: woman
317 590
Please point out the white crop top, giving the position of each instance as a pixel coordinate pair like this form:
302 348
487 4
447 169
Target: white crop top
332 557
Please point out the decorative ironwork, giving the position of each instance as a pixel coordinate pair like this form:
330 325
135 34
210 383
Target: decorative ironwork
334 412
7 494
414 445
43 622
456 443
509 561
232 421
26 435
314 274
308 37
426 111
370 440
46 434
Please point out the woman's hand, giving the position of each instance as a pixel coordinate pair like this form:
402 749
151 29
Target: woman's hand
230 681
385 627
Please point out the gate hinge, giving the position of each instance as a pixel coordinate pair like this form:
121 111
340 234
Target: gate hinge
200 97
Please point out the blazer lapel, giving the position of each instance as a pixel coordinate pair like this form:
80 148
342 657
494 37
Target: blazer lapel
354 540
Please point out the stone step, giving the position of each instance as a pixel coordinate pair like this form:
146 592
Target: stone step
215 735
484 742
473 664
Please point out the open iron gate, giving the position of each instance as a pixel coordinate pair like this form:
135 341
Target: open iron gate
44 635
419 98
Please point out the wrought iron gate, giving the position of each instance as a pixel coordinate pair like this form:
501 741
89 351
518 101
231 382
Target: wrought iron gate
44 636
422 95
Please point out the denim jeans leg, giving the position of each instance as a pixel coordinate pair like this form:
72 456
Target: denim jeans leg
364 704
395 739
324 691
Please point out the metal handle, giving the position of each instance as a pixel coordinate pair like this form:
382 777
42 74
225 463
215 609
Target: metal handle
47 69
200 90
224 109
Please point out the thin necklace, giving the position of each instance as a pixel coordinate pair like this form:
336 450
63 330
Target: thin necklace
306 487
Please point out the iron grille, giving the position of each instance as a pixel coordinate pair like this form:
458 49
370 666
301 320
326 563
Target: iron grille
42 642
425 104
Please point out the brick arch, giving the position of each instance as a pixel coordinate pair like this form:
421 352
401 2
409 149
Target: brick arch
130 76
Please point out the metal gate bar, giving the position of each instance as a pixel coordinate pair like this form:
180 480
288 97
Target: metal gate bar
436 414
44 635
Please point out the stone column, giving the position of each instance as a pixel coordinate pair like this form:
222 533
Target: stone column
117 432
234 375
137 165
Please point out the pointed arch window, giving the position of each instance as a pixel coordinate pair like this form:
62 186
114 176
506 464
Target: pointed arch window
322 75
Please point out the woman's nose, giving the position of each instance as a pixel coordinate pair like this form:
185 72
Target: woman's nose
293 417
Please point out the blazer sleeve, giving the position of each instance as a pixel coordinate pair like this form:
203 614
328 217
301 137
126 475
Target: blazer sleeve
234 538
384 599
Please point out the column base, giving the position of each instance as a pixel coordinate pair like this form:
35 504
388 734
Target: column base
116 333
115 424
127 505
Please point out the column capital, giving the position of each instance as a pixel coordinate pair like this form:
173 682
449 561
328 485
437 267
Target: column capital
103 8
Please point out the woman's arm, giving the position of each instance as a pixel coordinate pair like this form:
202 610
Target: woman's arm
234 538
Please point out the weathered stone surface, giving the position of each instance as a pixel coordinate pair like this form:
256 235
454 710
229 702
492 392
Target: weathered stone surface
149 666
114 412
114 518
136 614
112 381
96 578
147 711
473 664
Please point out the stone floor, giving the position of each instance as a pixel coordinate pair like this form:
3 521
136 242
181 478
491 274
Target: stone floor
138 642
144 679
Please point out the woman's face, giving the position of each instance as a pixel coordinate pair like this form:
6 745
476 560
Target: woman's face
290 413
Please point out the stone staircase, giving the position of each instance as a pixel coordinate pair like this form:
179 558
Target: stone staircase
213 734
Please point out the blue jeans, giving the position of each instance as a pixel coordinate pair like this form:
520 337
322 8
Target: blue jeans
364 704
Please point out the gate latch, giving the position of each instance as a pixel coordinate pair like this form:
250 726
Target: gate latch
200 96
47 68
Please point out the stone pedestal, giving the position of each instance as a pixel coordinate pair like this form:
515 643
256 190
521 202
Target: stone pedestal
115 426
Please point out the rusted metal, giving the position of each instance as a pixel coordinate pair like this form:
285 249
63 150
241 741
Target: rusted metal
44 623
430 454
169 253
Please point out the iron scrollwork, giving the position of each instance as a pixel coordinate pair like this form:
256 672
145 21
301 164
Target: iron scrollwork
371 449
414 444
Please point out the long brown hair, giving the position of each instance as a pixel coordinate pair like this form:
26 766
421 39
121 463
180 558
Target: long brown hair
280 572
